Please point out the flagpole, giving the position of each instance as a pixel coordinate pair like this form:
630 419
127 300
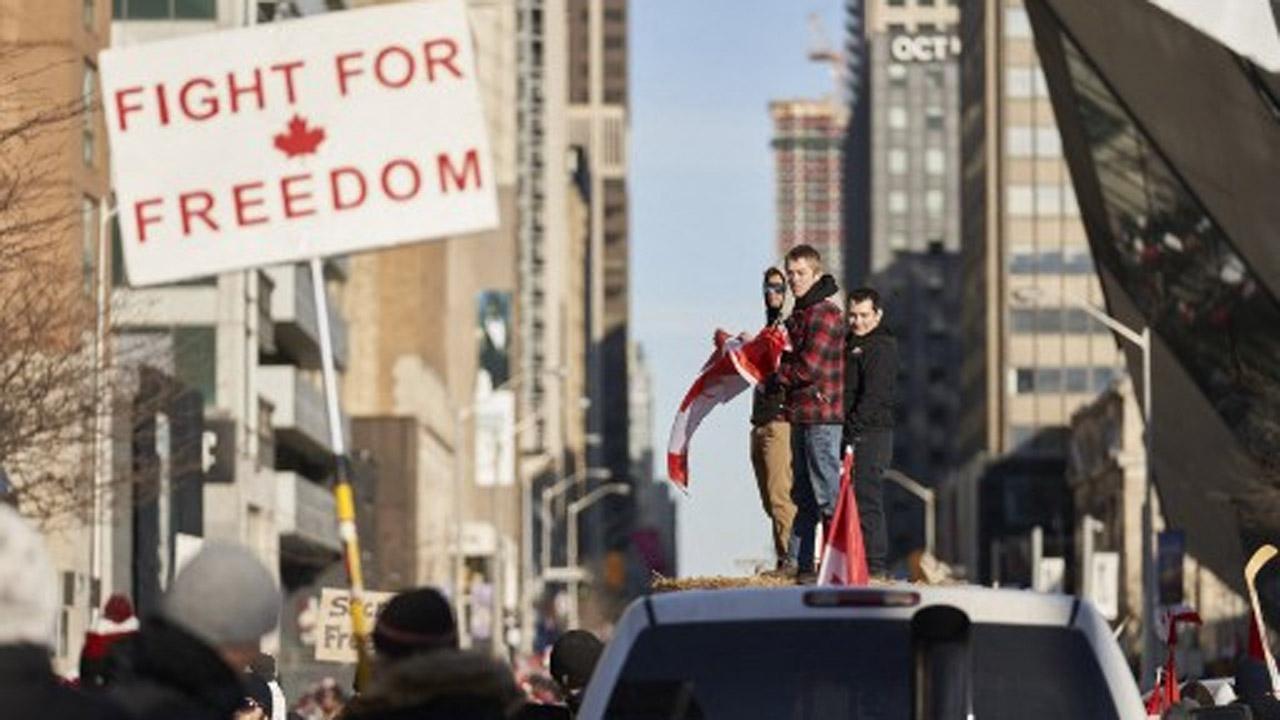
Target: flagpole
343 495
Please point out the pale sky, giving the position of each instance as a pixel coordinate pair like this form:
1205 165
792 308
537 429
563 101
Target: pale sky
702 227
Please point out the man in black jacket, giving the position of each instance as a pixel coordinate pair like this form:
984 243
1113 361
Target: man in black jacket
187 661
771 436
871 371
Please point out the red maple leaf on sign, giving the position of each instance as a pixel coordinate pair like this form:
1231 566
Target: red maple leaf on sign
300 139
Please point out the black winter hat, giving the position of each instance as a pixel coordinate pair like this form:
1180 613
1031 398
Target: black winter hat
415 621
257 690
573 658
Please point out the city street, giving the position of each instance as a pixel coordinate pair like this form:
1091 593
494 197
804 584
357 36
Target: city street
375 359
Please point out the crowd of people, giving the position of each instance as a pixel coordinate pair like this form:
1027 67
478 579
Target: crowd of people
198 657
832 394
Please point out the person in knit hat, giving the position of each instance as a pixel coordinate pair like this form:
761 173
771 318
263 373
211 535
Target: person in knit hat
422 675
187 660
414 621
28 608
117 623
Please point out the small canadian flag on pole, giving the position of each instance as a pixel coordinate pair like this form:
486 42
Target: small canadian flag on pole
844 557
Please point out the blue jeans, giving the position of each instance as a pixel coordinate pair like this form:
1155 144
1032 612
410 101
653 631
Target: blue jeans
815 467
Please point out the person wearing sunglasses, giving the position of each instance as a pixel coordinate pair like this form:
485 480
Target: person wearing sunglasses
771 436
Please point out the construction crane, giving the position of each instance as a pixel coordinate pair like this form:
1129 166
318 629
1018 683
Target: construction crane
821 51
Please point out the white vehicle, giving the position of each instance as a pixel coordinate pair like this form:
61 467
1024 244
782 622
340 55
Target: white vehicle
894 652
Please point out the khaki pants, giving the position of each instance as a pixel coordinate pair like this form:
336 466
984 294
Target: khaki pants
771 458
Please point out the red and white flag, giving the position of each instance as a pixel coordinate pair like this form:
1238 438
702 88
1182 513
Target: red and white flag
844 557
737 363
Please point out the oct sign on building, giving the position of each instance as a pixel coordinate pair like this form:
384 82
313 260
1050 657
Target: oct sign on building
923 48
282 142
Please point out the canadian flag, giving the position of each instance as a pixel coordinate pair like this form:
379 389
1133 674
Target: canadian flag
844 557
737 363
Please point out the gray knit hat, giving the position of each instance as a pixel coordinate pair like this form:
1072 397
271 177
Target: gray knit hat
224 596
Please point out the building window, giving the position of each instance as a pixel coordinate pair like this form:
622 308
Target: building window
1019 81
933 118
195 352
1048 199
1024 381
1077 380
897 74
897 242
935 78
935 162
165 9
1016 23
898 117
1020 200
88 241
934 202
897 202
88 95
1041 142
117 254
897 161
1065 262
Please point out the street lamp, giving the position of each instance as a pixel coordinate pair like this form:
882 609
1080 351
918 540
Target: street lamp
461 415
1150 593
550 493
575 507
926 495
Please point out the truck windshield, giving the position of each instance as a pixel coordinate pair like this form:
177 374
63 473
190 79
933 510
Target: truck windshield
842 668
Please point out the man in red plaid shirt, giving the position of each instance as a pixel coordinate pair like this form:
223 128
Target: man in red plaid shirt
813 375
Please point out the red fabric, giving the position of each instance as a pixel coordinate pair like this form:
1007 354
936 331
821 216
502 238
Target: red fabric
813 372
96 645
1166 693
1255 641
736 364
844 557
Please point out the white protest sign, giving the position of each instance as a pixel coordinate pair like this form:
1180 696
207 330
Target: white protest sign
286 141
334 642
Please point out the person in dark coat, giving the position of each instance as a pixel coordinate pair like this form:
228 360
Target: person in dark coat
771 437
573 660
442 684
28 608
870 390
117 623
186 662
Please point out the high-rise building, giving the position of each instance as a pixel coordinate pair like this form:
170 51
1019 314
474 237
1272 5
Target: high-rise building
598 80
654 537
1175 186
1031 355
54 178
915 144
807 138
902 225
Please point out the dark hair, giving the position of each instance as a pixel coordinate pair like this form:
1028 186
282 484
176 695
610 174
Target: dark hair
863 294
805 252
771 271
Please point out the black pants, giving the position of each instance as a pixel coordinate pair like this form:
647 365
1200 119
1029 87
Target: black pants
872 455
